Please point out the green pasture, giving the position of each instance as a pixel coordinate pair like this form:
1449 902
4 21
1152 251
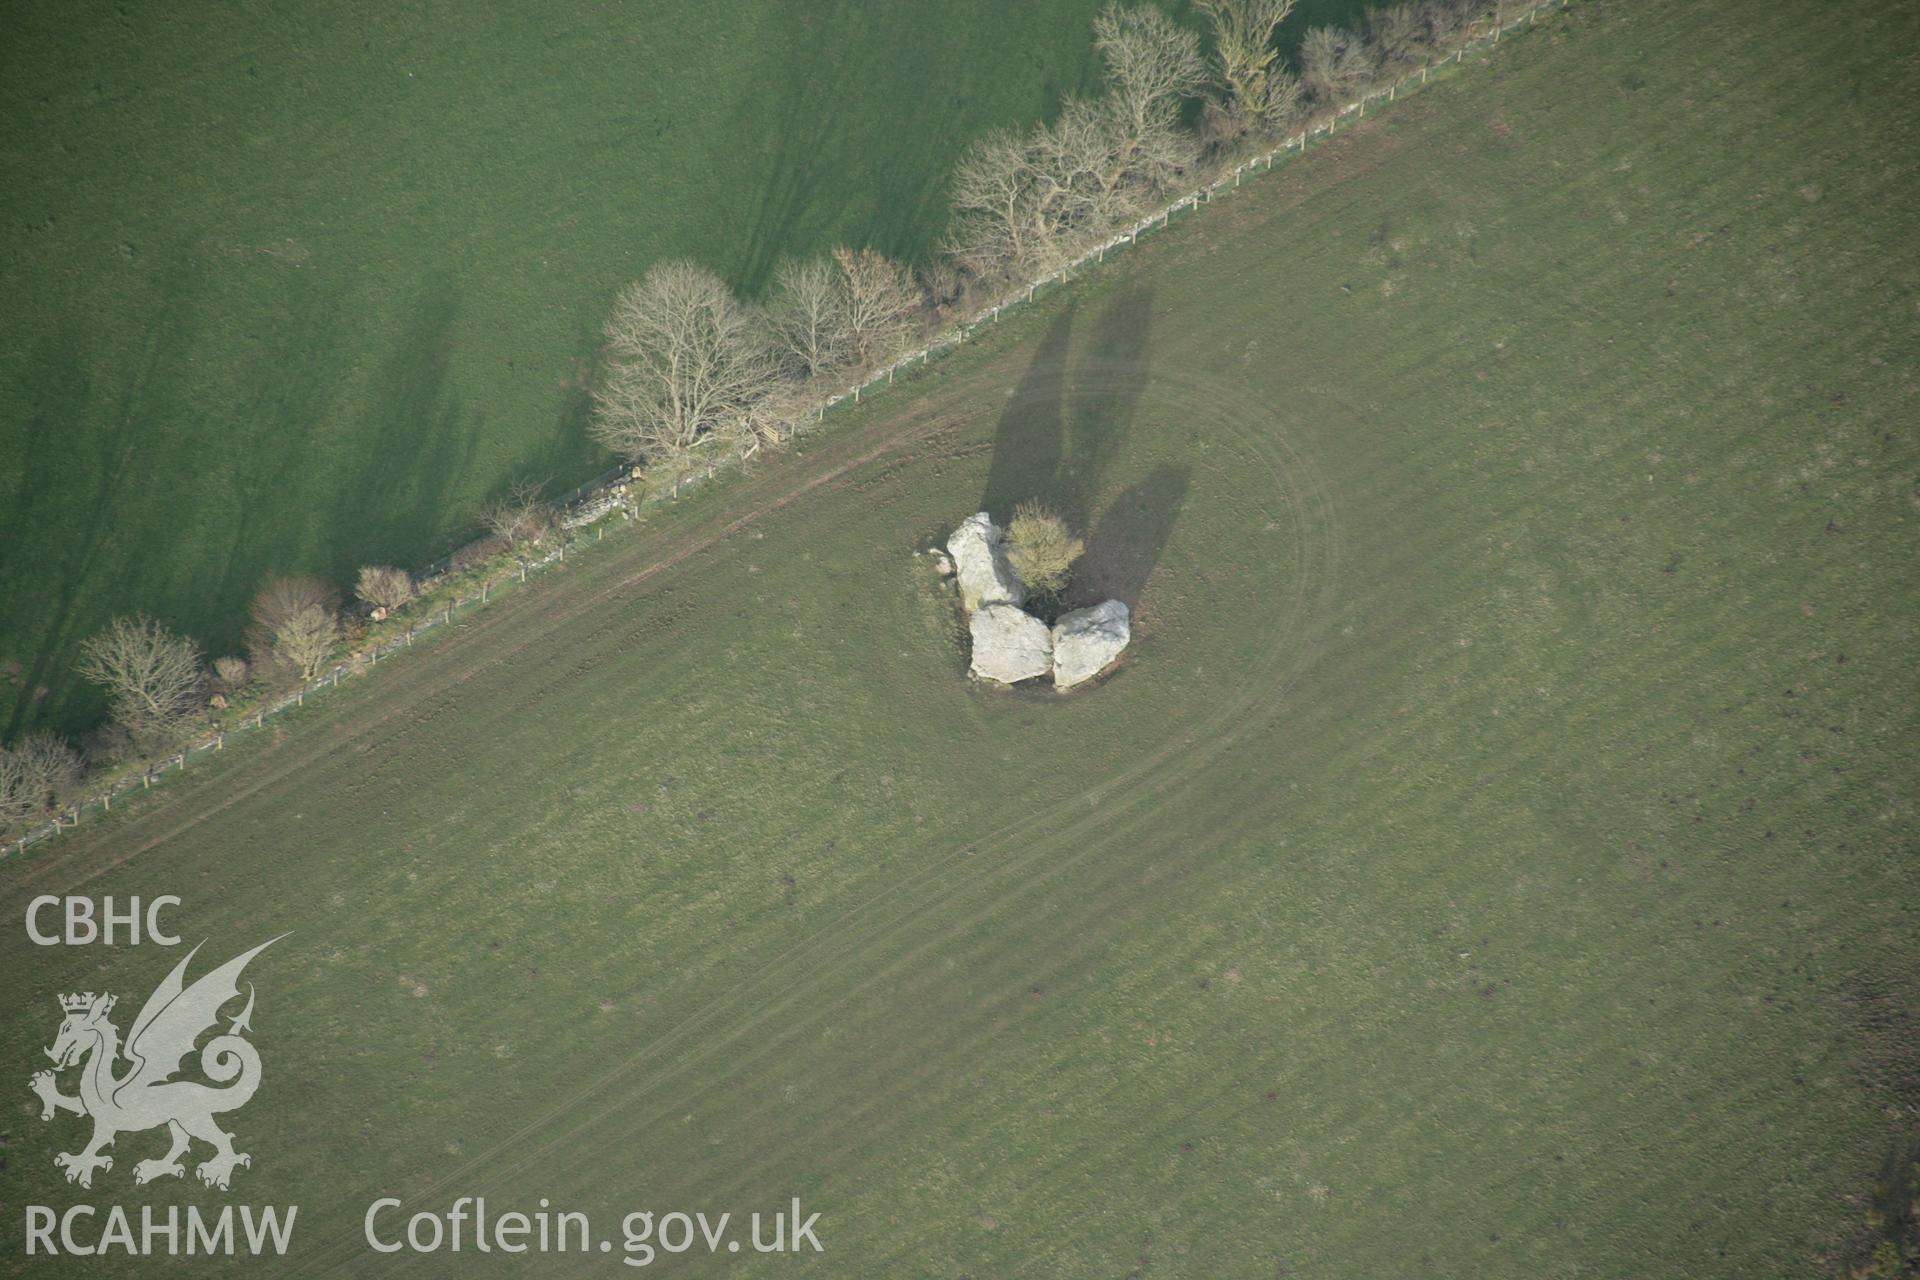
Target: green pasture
293 290
1493 857
296 288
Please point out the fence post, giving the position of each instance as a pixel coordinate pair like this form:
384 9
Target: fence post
220 743
336 677
260 719
303 695
146 778
106 801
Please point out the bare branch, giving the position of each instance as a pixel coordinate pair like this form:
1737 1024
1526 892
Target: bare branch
36 777
807 314
879 299
519 520
151 675
384 588
687 357
305 639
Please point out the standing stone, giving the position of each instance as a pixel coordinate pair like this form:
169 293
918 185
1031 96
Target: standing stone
980 560
1086 641
1009 644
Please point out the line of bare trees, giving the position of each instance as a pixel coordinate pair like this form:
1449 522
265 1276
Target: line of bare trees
695 375
160 688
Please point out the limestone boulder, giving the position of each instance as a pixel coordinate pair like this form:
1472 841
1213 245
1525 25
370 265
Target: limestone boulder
1009 644
980 565
1086 642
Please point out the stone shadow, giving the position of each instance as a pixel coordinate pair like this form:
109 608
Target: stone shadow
1029 444
1124 547
1109 375
1066 421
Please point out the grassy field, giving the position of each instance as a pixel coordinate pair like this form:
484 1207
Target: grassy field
297 291
1492 859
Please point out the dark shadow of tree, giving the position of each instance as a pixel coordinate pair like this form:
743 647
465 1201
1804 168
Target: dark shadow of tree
1029 444
1109 376
417 447
66 553
1124 548
1066 421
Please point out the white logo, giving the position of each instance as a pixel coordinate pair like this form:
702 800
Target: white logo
146 1096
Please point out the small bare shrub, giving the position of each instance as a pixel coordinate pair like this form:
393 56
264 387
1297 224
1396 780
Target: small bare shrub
276 602
384 587
36 777
518 519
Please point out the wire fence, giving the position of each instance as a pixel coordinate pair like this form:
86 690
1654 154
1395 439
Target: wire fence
587 504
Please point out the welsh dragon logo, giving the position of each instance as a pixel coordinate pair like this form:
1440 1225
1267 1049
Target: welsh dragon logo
145 1095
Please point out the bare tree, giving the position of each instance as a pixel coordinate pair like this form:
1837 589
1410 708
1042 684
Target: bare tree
305 639
519 520
384 588
1152 64
231 673
686 358
1335 65
1244 57
1028 205
807 314
152 676
1031 203
276 602
1402 35
880 297
36 776
992 204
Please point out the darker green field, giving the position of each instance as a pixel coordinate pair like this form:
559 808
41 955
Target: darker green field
297 291
1492 858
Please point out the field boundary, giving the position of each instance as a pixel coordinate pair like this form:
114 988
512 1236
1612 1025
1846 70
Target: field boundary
584 507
